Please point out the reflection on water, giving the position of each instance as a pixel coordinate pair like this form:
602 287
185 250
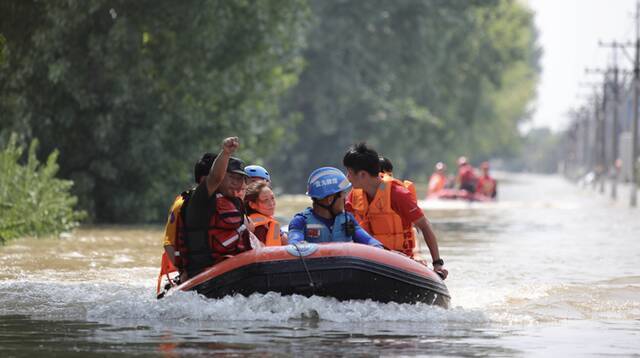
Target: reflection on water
550 269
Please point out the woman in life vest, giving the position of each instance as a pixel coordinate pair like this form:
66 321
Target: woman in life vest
260 205
326 220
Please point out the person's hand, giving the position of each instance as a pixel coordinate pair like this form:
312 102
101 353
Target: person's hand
230 145
440 270
249 224
421 261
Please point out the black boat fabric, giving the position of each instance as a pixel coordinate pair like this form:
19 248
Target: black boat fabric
342 277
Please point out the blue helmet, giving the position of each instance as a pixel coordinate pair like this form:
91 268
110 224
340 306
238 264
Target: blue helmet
326 181
256 171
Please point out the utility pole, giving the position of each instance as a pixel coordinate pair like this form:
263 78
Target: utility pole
592 134
634 125
600 115
615 89
614 140
602 157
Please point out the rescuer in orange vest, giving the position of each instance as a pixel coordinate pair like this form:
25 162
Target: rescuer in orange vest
466 179
386 172
486 184
438 180
385 208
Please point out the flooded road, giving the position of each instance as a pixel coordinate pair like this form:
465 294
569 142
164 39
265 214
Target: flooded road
551 269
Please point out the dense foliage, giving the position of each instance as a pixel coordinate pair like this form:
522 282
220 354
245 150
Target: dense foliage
132 92
422 81
33 202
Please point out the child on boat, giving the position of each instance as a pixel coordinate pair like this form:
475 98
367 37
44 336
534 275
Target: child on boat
326 220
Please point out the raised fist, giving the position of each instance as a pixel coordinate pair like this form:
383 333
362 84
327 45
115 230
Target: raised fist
229 145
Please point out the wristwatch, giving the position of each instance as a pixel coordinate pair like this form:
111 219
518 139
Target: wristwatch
438 262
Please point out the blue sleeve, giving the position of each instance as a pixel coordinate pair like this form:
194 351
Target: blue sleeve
296 229
363 237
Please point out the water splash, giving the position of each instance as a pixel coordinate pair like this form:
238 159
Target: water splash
107 301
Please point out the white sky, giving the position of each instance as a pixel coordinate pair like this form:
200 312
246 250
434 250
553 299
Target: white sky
569 31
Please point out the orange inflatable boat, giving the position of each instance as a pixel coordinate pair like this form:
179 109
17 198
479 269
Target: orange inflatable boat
459 194
345 271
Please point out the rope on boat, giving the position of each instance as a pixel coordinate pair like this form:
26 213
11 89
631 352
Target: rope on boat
304 263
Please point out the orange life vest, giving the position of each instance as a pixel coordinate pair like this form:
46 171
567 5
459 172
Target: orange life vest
273 228
408 184
437 182
226 234
379 219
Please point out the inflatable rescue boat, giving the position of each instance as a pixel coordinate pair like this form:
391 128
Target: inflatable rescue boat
459 194
346 271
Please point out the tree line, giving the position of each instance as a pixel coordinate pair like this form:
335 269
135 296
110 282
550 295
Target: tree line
131 93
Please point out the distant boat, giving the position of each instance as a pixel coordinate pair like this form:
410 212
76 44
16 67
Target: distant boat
459 194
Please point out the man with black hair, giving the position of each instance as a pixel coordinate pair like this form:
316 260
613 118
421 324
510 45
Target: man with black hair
386 167
386 173
385 208
200 171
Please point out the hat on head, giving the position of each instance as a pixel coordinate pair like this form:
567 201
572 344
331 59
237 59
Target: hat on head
236 165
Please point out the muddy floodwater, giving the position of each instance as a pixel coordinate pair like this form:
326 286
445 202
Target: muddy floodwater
549 270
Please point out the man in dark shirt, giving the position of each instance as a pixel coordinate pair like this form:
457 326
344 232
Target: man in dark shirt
221 189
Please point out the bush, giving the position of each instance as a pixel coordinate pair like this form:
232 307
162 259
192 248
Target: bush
33 202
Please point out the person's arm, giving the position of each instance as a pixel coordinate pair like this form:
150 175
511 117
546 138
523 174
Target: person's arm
363 237
430 238
284 238
219 167
296 230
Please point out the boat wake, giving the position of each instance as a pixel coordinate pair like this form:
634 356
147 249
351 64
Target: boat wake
103 302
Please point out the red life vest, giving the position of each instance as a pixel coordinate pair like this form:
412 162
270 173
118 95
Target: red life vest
466 174
487 186
226 235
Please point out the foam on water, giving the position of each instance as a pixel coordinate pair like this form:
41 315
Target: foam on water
97 300
107 301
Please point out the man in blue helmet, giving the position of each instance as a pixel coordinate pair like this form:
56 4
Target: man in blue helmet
327 221
257 173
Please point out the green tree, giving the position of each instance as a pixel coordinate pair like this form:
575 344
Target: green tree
132 92
33 202
421 81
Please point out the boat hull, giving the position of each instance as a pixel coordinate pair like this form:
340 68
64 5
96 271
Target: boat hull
344 271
